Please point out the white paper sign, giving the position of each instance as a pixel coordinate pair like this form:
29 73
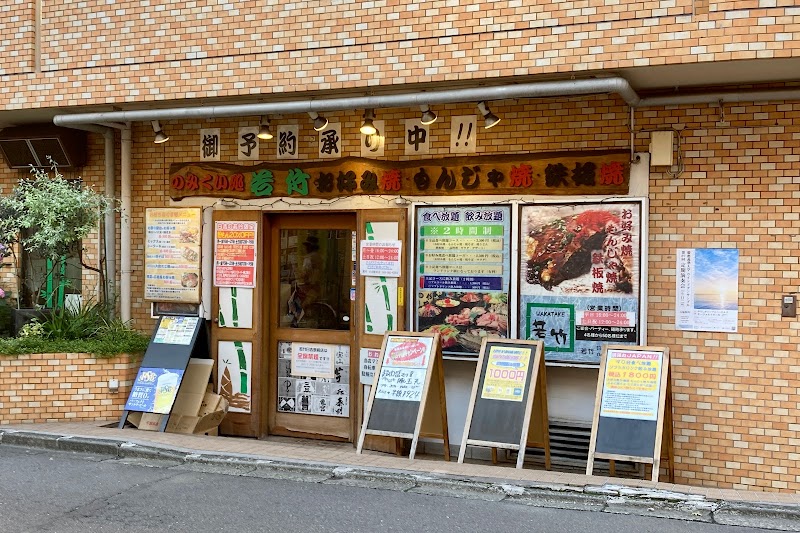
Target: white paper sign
372 145
330 141
247 149
369 361
405 363
381 258
631 386
416 137
209 144
313 360
288 138
462 134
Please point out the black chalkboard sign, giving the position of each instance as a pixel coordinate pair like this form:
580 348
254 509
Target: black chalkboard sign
176 339
629 412
509 385
408 366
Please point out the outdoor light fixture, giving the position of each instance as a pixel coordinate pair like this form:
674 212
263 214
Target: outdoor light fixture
489 118
367 127
160 137
319 121
428 116
263 130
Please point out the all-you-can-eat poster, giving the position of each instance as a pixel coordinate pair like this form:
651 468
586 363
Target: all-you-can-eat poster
580 277
463 266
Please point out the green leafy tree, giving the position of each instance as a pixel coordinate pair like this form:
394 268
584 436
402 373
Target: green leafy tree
50 216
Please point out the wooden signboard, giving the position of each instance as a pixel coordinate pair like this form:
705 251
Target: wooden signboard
176 340
407 399
508 405
630 410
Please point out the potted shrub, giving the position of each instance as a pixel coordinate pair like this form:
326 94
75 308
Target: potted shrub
48 216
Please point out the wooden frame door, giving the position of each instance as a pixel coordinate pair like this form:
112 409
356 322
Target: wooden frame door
311 292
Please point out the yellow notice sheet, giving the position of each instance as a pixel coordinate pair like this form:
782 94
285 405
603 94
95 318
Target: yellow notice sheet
506 373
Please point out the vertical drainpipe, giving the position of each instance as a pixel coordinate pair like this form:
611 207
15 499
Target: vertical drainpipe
110 223
125 225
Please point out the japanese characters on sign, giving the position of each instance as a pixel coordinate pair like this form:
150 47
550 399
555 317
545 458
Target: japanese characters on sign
631 386
506 373
707 292
287 145
248 144
154 390
404 367
368 363
463 274
176 330
308 395
235 254
330 141
172 254
209 144
313 360
380 258
580 277
373 145
416 138
595 174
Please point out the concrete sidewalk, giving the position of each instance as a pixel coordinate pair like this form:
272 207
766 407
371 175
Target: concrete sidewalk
320 461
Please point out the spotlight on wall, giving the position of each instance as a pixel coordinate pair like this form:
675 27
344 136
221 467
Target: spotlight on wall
319 121
428 116
263 129
489 118
367 127
160 137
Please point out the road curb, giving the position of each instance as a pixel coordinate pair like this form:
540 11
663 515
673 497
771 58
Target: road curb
599 498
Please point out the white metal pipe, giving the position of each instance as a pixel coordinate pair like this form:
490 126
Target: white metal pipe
125 224
615 85
110 226
725 97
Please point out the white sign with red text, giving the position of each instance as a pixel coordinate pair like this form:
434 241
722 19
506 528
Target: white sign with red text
381 258
313 360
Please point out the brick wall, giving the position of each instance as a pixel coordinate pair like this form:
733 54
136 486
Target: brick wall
57 387
735 394
136 52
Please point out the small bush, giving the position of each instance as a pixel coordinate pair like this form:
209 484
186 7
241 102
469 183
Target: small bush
84 330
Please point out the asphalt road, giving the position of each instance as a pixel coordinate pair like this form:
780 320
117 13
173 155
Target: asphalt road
63 492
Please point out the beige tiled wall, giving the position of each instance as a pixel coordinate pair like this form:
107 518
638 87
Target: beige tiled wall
57 387
135 51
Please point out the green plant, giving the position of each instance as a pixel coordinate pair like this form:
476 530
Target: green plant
32 329
76 323
49 216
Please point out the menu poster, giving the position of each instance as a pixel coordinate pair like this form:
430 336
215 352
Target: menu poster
580 277
404 367
305 395
631 385
235 254
176 330
463 274
172 254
